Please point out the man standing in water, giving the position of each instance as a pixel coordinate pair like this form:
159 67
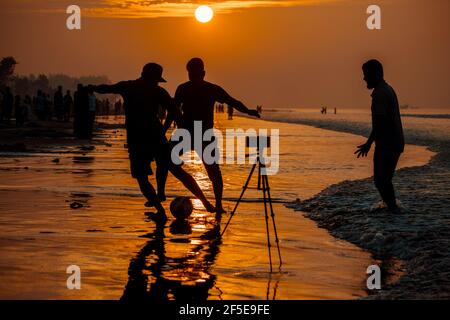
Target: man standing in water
387 132
146 137
197 98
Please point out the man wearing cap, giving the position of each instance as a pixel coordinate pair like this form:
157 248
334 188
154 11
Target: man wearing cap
197 98
146 136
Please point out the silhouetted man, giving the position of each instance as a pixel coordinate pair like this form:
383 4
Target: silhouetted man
387 132
92 102
146 136
58 101
197 98
19 110
81 112
7 105
68 105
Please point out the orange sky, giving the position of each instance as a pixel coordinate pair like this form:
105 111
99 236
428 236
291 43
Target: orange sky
274 53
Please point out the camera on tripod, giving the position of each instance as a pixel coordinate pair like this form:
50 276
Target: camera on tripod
259 142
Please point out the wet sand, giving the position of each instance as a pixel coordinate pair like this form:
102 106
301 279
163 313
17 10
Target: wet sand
85 209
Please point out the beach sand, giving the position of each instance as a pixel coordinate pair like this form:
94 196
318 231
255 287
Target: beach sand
69 202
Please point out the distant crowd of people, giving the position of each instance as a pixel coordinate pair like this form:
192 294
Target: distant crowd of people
83 106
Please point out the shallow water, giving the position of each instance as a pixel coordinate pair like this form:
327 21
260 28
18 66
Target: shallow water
121 253
420 125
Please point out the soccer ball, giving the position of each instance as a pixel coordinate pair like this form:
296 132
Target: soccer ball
181 207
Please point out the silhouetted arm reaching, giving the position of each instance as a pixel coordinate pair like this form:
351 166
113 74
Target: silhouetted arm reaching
174 113
377 123
224 97
106 88
170 116
379 119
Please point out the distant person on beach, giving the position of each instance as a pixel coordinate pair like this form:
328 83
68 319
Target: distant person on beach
230 112
40 105
196 98
387 132
92 101
19 111
117 108
76 110
7 105
146 137
259 109
27 102
68 105
107 107
81 113
58 102
47 106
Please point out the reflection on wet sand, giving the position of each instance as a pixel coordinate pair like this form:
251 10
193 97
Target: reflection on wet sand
156 273
83 159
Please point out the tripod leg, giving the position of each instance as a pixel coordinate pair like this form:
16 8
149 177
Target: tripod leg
266 215
272 214
240 197
259 180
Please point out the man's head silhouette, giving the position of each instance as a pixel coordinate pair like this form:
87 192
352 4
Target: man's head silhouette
152 72
196 69
373 73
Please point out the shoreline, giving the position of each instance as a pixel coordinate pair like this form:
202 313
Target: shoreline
420 242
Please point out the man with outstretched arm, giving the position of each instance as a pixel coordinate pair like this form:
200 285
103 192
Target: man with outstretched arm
197 98
387 132
146 136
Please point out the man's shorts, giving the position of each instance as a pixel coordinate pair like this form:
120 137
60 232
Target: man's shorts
141 157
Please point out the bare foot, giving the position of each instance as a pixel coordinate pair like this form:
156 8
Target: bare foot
395 210
157 205
220 210
209 207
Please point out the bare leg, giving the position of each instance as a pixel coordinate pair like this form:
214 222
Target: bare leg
190 183
161 178
149 192
215 176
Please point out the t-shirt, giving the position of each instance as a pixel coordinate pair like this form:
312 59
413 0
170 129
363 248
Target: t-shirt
141 103
197 100
390 134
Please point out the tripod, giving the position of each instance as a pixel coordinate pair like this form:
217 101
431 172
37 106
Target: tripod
263 184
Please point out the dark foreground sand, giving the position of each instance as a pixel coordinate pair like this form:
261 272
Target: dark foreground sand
420 237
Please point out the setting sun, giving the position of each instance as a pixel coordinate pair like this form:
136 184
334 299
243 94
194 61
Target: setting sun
204 14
